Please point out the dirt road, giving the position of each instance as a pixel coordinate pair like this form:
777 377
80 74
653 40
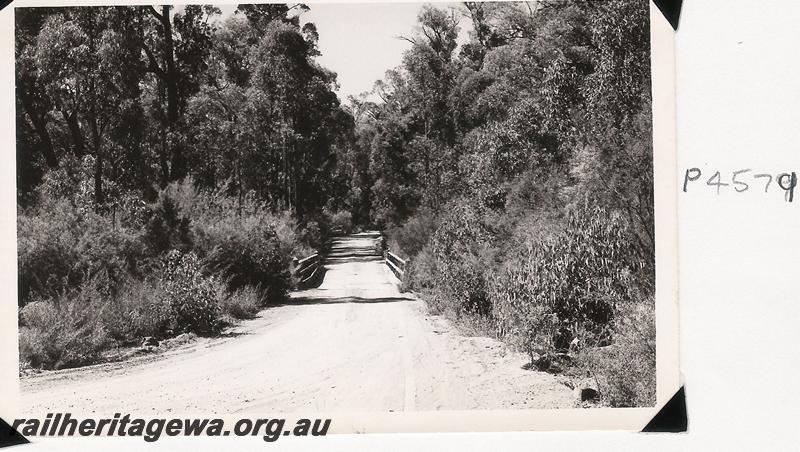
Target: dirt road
353 344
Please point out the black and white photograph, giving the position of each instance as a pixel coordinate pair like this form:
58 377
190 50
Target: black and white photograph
335 208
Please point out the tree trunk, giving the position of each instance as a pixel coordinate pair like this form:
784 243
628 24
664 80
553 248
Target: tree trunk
39 125
163 161
75 132
177 164
171 73
99 197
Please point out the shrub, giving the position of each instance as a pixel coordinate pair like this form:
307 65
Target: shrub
60 246
168 227
626 370
568 285
459 246
140 309
291 241
107 254
94 283
76 327
46 254
213 213
192 296
422 271
247 252
313 235
523 309
65 331
317 229
240 241
71 182
342 221
242 304
409 239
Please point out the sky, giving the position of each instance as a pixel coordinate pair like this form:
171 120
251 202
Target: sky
359 41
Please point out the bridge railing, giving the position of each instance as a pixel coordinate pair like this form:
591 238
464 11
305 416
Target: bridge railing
306 269
396 264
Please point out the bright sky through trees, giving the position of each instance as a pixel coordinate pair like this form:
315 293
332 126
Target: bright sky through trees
359 41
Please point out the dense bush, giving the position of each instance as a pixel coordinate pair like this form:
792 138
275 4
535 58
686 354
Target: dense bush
292 238
46 254
168 227
422 271
314 235
65 331
191 261
140 309
566 286
625 371
247 252
242 304
214 214
60 246
575 288
109 254
342 222
410 238
77 327
192 296
460 247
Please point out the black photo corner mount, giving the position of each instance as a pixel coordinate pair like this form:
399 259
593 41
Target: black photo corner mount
9 436
4 3
672 416
671 9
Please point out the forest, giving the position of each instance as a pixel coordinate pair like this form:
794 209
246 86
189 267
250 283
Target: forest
171 163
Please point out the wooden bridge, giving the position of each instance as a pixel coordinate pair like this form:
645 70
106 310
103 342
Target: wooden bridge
308 271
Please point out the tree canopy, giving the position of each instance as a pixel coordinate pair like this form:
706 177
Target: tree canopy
150 95
125 100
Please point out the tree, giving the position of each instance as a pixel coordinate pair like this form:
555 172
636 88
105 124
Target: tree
33 105
175 47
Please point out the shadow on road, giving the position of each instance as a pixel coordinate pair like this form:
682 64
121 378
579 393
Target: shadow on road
234 333
321 300
347 258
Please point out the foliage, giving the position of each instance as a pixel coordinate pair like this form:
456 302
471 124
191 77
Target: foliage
422 273
141 308
543 122
46 252
192 296
252 260
458 246
64 332
342 222
626 371
79 326
168 228
242 241
410 238
568 286
242 304
60 246
109 254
